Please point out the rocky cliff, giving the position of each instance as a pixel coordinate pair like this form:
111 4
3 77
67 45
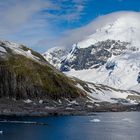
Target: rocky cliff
93 56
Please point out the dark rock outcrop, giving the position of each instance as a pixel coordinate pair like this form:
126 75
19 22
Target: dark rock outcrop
93 56
138 79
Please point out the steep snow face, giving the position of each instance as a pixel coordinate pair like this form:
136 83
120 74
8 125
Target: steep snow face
100 93
124 26
55 55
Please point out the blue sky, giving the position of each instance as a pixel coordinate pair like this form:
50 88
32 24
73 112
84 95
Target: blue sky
42 24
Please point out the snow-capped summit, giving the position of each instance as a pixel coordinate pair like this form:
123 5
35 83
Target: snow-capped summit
124 26
109 54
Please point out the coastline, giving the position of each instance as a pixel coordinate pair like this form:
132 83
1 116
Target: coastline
21 109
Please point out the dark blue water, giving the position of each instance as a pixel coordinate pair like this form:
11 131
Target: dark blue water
102 126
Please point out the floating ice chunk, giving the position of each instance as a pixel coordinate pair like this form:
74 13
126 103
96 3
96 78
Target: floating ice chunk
95 120
1 132
127 120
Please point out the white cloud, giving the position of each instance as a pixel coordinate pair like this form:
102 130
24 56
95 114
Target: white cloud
23 20
68 38
16 13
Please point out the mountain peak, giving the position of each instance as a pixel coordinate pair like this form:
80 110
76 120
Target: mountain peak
124 26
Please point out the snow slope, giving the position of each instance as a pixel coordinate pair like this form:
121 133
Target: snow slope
102 93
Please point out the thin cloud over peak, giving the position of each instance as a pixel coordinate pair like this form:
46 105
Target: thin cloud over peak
69 37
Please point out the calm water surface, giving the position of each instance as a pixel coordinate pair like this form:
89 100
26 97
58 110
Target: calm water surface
102 126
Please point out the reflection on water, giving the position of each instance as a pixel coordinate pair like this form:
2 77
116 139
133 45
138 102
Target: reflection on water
102 126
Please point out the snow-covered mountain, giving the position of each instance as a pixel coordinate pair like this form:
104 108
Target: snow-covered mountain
110 55
124 26
120 71
56 55
93 56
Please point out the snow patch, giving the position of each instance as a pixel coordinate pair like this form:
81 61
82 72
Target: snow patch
41 101
2 50
1 132
49 108
28 101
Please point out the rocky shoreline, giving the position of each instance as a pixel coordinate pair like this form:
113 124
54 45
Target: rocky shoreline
21 108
